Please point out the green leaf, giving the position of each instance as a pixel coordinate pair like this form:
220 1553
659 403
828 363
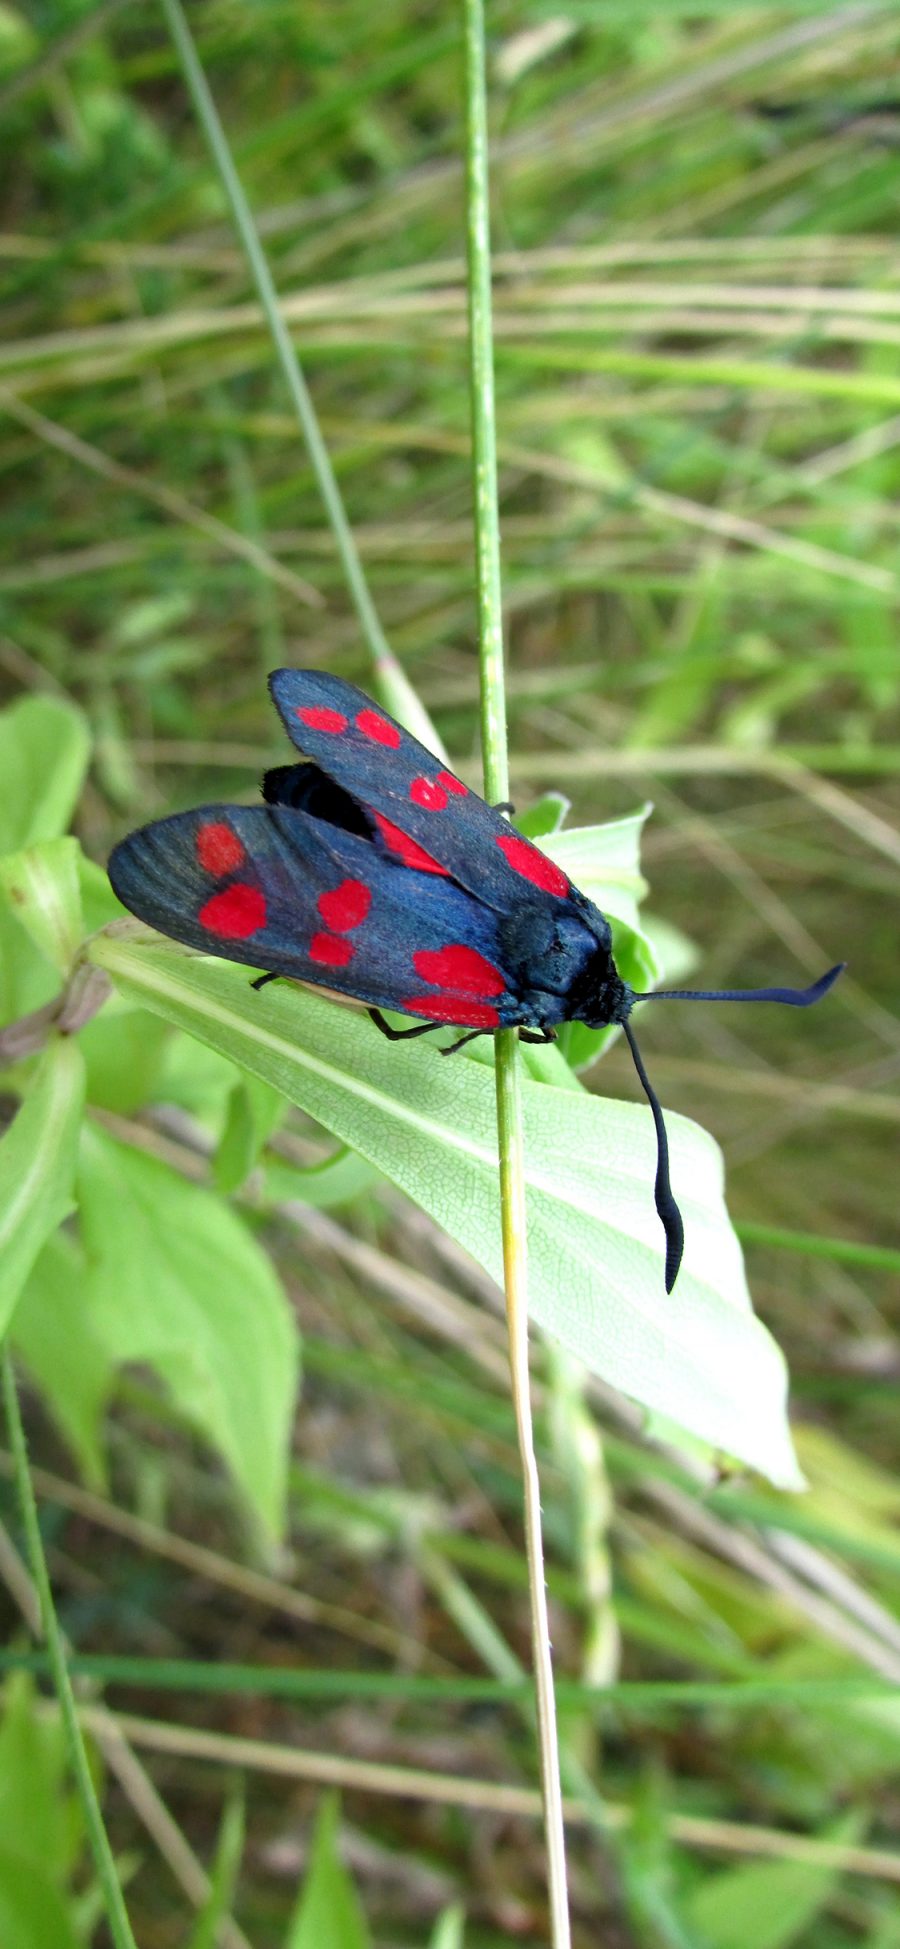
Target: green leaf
39 1826
35 1808
604 861
328 1914
768 1904
595 1245
207 1932
97 898
42 887
52 1313
254 1111
32 1912
44 750
37 1166
336 1181
448 1929
544 817
26 979
124 1050
176 1280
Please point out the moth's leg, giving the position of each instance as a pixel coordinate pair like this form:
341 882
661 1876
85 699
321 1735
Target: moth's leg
537 1035
453 1046
263 980
399 1035
505 805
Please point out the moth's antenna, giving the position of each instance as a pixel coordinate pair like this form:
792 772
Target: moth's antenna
669 1213
795 997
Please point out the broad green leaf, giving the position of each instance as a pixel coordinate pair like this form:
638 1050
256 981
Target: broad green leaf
33 1914
675 955
27 981
544 817
41 886
595 1245
197 1079
98 901
768 1904
175 1279
124 1051
604 861
53 1313
37 1166
36 1810
328 1914
44 751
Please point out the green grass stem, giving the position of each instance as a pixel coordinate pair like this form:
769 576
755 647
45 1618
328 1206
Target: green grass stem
207 114
116 1912
496 782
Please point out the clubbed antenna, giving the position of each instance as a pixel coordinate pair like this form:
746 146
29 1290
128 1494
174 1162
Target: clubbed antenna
795 997
670 1216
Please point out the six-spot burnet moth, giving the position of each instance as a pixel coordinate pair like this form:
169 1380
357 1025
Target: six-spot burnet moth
373 871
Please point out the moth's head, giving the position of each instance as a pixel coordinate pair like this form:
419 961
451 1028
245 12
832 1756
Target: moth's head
600 996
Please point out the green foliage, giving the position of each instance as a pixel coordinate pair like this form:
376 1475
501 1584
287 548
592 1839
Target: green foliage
174 1278
44 748
39 1827
223 1880
771 1904
52 1314
698 1355
328 1914
696 387
37 1158
449 1929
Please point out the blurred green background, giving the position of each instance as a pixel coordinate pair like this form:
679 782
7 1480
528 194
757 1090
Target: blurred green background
697 323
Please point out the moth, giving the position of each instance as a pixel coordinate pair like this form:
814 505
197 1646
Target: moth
371 870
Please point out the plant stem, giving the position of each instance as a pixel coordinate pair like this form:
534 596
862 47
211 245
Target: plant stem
116 1913
509 1121
207 113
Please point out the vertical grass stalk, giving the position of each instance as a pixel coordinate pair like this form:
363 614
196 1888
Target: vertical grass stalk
208 117
496 778
116 1913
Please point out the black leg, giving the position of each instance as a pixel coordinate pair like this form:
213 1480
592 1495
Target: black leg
537 1035
400 1035
263 980
453 1046
505 805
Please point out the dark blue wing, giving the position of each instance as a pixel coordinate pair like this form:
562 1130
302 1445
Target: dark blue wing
414 797
280 889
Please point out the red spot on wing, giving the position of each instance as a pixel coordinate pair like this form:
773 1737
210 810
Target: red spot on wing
374 726
534 866
458 967
452 784
345 906
465 1015
219 850
427 793
330 951
235 913
320 718
406 848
